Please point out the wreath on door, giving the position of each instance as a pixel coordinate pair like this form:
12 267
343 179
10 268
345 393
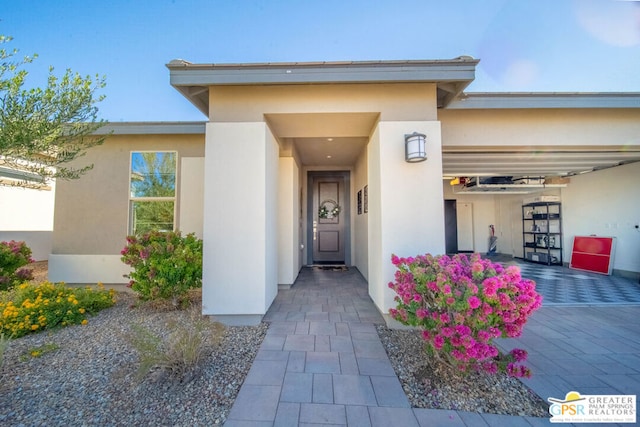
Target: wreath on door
329 209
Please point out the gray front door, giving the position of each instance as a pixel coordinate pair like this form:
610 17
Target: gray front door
329 217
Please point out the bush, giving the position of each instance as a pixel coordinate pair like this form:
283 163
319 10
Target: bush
31 308
13 256
177 356
164 264
461 304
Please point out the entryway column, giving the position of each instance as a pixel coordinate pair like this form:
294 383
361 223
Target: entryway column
406 203
240 259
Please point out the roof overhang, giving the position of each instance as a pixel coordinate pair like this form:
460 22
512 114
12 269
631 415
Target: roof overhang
152 128
450 76
538 100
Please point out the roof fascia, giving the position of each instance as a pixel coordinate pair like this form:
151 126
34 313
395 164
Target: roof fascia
183 73
485 101
152 128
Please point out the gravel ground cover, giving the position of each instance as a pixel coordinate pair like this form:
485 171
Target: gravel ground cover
86 375
432 384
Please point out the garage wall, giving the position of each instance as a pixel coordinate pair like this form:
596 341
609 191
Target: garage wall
484 214
606 203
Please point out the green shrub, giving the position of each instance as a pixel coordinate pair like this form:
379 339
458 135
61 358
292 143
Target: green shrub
164 264
31 308
13 256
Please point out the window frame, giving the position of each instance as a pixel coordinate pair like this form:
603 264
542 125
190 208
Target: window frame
133 199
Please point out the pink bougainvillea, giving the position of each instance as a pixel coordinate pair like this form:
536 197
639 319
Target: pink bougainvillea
462 303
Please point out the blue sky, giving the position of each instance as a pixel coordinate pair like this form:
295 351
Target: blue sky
523 45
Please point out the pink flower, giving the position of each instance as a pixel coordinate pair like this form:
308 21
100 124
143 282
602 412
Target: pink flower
474 302
446 331
462 330
421 313
438 341
519 355
477 267
450 300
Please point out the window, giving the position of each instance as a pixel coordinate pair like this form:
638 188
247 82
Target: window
152 197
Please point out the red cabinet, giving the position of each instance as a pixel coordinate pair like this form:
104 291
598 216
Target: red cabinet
591 253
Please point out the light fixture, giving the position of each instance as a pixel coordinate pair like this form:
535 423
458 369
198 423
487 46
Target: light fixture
414 147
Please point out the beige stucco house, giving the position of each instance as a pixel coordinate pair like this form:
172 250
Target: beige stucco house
305 163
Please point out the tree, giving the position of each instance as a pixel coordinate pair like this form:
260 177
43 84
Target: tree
42 130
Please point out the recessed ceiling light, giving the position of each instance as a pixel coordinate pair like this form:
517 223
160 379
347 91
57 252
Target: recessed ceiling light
329 139
328 157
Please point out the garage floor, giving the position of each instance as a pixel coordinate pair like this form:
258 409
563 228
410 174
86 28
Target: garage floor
561 286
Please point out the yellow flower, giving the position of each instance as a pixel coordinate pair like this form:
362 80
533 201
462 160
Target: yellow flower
34 326
35 353
81 310
85 321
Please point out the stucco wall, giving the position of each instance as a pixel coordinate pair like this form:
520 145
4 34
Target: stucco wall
288 210
191 211
406 203
540 127
411 101
24 209
360 234
240 274
91 215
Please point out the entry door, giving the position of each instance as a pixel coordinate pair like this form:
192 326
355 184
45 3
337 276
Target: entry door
329 219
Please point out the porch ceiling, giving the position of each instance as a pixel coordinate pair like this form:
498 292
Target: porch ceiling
323 139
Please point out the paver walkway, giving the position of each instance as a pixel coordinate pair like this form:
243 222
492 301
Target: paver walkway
322 362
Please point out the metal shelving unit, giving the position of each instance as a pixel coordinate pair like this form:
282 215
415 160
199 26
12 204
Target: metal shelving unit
542 232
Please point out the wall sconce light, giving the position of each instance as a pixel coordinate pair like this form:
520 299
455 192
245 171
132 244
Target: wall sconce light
414 147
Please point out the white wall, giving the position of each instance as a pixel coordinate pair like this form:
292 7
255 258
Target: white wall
87 269
270 178
605 203
27 215
406 203
26 209
360 232
240 271
288 221
484 214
